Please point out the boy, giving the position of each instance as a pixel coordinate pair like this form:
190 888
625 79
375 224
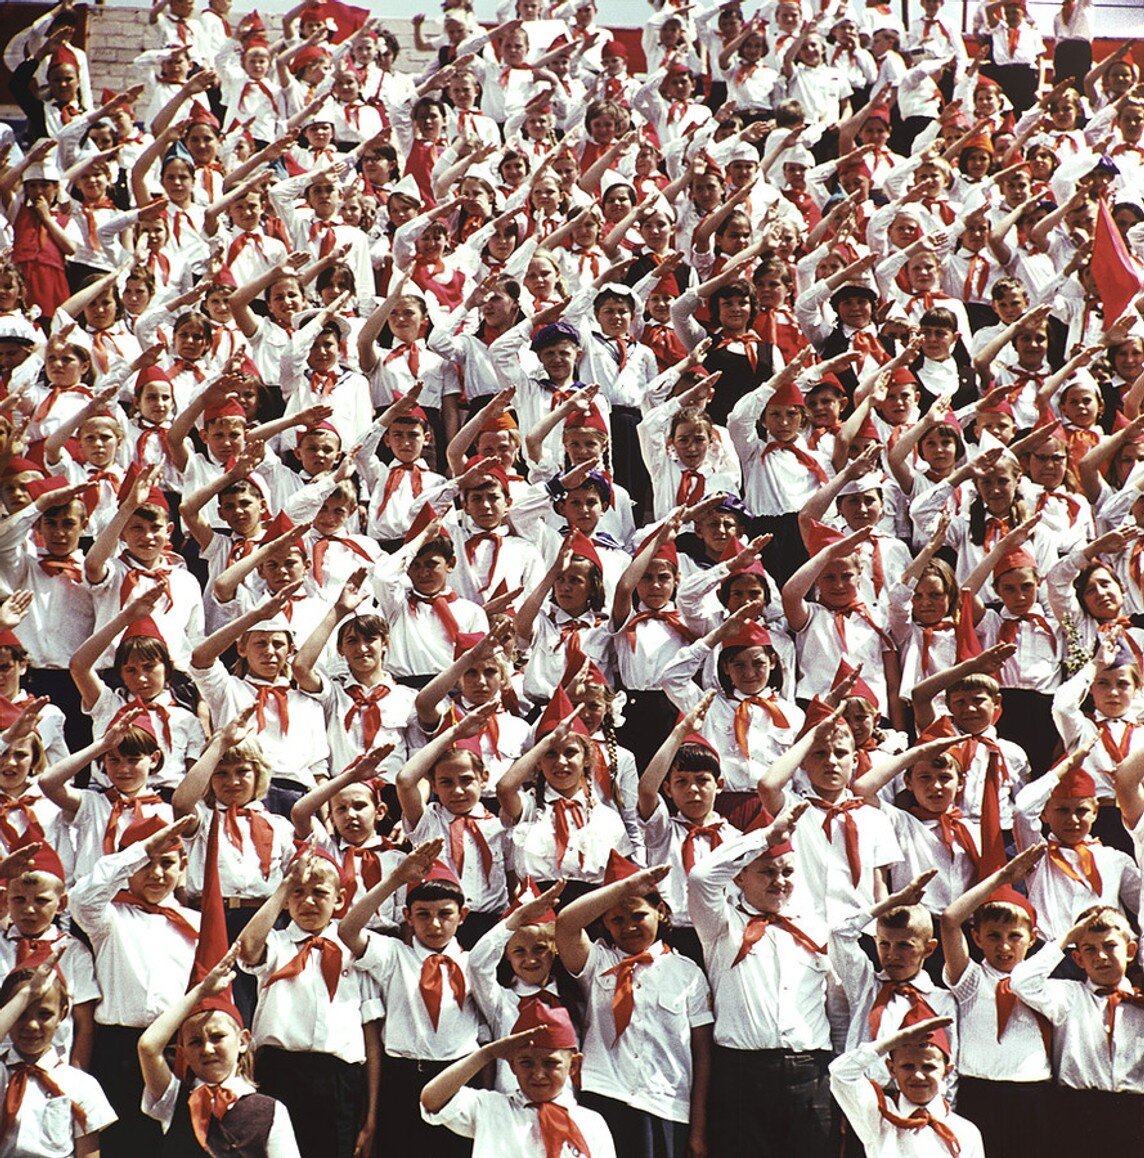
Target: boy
143 524
144 945
778 1004
430 1018
542 1117
308 1033
62 615
1005 1064
35 897
917 1120
1078 871
1097 1026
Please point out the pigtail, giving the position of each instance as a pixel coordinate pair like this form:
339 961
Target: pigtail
609 729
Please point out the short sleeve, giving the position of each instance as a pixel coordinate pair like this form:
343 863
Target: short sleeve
699 1003
461 1113
162 1108
967 985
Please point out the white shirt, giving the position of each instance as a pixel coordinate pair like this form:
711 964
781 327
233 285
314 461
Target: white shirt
46 1126
239 869
781 995
484 892
1020 1054
505 1126
142 960
649 1066
297 1013
664 836
408 1031
882 1138
534 839
1087 1057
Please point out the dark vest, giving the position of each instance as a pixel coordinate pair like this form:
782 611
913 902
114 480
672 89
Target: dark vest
242 1133
738 378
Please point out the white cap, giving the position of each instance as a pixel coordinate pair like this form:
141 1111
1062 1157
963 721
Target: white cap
797 155
740 151
16 327
304 316
46 170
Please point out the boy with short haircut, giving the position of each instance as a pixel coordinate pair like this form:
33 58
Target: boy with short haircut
143 525
1097 1028
36 895
425 617
542 1116
311 1048
1077 871
430 1017
778 1005
144 944
901 991
917 1119
1005 1063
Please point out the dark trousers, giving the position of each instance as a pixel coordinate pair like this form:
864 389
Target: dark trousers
56 683
649 717
786 552
771 1103
115 1065
638 1134
1072 58
324 1095
399 1111
1027 720
1094 1121
244 987
1018 82
628 465
1012 1116
282 795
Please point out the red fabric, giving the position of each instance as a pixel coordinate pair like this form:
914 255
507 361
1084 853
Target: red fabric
919 1120
18 1076
176 919
205 1103
849 830
120 805
432 988
1118 276
624 999
368 705
743 720
920 1009
557 1130
758 925
1089 874
261 833
458 826
330 964
694 831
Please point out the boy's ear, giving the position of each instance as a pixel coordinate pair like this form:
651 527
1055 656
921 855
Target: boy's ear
465 913
931 945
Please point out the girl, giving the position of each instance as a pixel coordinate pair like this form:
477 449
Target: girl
290 724
641 997
557 828
41 243
840 620
192 363
523 946
775 321
747 724
26 815
576 624
699 460
147 431
217 1103
649 631
480 675
356 812
131 756
1081 408
64 389
616 774
1066 515
142 669
32 1005
476 845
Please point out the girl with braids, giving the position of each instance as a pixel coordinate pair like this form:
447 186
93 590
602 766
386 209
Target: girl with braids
617 776
995 509
558 828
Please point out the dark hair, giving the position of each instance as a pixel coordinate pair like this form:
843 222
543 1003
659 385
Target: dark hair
339 273
19 977
139 742
367 627
696 758
143 647
436 891
940 316
442 545
735 289
729 653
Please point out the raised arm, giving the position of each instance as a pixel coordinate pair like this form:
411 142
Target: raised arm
411 871
798 586
775 778
660 764
87 655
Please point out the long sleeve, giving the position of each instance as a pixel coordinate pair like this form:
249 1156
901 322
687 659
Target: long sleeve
1032 985
707 884
90 897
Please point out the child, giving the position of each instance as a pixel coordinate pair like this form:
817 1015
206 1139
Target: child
768 1091
143 666
36 896
143 525
840 619
131 756
38 1083
543 1117
687 769
355 812
643 1000
476 838
1094 1023
558 830
430 1017
310 1046
290 724
524 940
1077 871
144 945
1004 1068
26 815
917 1120
217 1108
848 856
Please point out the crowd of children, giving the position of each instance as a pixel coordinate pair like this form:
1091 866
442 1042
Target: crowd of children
558 605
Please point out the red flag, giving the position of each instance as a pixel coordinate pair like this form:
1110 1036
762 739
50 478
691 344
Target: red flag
348 17
1117 274
964 632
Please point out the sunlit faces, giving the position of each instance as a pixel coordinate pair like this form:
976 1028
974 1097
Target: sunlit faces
286 565
582 508
313 901
1003 942
234 783
33 900
1114 688
531 954
267 653
1070 819
931 601
36 1026
861 510
143 675
574 587
657 585
543 1073
693 793
157 879
565 765
902 951
972 709
486 505
435 923
319 451
748 669
1017 589
100 313
355 813
1048 463
838 582
284 299
829 765
16 765
633 925
61 528
783 423
918 1072
998 488
458 783
65 365
99 440
482 682
934 782
768 882
212 1044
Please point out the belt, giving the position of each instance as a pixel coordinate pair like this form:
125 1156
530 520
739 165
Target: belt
243 902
